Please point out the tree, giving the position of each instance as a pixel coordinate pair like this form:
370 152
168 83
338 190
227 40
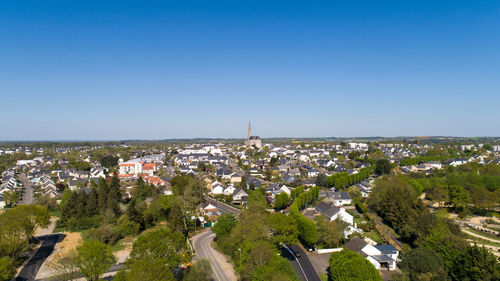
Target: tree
149 269
347 265
281 201
7 269
321 180
160 244
458 196
284 229
382 167
307 228
10 197
200 271
225 223
330 233
476 263
423 262
30 217
278 269
94 258
65 265
257 202
109 161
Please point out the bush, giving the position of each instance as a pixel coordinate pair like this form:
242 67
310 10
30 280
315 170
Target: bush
83 223
6 269
128 228
105 234
351 266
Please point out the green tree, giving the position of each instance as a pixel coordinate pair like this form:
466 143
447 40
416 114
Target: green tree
476 263
347 265
10 197
423 262
458 196
281 201
382 167
278 269
330 233
149 269
225 223
7 269
161 244
284 229
257 202
200 271
94 258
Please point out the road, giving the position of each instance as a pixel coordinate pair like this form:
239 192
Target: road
302 265
31 268
27 190
223 207
221 269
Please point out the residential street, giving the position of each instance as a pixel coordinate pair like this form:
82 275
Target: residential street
222 269
27 190
301 264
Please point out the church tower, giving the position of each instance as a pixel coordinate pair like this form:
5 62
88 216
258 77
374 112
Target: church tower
249 130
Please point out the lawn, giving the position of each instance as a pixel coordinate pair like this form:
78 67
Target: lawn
482 241
373 235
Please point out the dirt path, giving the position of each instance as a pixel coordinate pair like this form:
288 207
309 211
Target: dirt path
480 236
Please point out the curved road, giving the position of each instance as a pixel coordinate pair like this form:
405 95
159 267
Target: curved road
302 265
204 250
31 268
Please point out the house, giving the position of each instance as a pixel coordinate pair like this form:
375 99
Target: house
229 190
235 178
96 173
149 169
311 173
381 256
130 169
456 162
210 209
239 194
340 198
332 212
224 173
217 188
433 165
289 179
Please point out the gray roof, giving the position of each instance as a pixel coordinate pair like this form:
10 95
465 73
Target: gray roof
386 249
356 244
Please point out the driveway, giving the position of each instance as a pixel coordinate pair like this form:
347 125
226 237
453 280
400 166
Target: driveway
31 268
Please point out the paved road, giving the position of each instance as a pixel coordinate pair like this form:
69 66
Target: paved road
31 268
301 265
27 190
204 250
223 207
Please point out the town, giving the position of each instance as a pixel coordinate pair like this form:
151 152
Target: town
253 209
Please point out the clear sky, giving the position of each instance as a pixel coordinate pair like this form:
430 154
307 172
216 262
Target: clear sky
103 70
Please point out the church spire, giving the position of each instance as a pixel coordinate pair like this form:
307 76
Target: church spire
249 130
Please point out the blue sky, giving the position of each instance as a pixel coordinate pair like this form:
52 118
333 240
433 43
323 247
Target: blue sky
179 69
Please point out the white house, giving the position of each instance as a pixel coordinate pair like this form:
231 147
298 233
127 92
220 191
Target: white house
239 194
381 256
333 213
217 189
229 190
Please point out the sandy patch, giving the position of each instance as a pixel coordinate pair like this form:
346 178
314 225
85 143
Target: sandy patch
70 242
